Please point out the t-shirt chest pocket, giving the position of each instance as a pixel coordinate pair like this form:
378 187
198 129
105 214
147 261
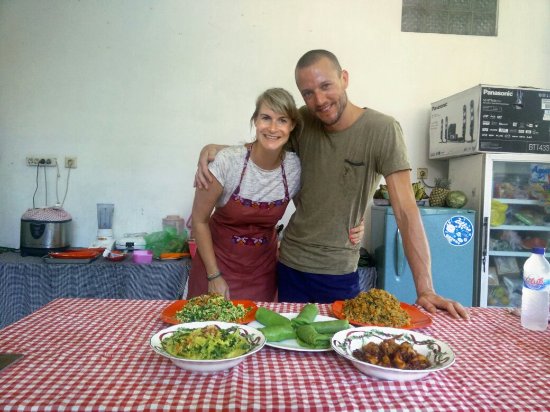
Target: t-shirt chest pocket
353 174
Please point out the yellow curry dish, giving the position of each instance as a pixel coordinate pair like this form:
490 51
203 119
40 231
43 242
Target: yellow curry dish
208 343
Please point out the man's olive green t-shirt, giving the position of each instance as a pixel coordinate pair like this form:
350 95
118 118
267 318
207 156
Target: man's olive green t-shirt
340 172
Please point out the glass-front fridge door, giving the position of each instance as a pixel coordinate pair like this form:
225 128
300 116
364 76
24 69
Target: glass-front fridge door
517 218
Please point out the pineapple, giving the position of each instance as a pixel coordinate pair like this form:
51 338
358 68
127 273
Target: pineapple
439 192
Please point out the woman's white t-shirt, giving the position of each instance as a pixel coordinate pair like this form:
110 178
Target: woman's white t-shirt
258 184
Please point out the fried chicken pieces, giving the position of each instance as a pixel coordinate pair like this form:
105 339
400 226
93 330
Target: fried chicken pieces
392 355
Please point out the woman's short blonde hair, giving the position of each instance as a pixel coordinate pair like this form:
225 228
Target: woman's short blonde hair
280 101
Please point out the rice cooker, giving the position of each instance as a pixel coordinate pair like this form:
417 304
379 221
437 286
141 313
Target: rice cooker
44 230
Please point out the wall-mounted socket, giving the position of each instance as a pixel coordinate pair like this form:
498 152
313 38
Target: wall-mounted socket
41 161
422 173
70 162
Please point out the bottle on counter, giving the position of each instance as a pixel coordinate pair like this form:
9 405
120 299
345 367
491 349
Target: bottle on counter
536 284
174 221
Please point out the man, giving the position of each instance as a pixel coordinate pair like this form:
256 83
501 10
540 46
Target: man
344 151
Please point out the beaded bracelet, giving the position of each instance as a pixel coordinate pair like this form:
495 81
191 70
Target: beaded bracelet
213 276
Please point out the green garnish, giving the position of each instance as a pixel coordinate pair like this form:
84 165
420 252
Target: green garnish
211 307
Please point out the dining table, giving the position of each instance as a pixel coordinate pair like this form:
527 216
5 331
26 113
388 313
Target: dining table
95 354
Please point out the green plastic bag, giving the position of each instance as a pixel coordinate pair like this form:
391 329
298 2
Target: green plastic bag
165 241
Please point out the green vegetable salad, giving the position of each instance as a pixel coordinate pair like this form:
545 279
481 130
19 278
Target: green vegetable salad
208 343
211 307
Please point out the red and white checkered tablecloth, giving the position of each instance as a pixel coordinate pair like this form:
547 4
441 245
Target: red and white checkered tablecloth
91 354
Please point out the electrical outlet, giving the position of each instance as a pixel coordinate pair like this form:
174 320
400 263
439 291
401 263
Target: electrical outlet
422 173
41 161
70 162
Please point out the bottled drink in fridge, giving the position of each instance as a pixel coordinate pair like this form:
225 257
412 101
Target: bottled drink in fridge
536 283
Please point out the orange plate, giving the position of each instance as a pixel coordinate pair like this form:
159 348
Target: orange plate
173 256
90 249
75 254
419 319
168 315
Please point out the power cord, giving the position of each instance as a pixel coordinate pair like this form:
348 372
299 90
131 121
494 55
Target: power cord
57 184
67 186
424 183
36 188
42 162
46 185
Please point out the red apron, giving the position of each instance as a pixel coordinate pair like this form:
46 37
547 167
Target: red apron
245 244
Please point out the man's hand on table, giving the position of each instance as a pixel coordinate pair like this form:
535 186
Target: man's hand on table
432 301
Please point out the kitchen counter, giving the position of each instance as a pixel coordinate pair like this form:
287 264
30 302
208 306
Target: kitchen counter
28 283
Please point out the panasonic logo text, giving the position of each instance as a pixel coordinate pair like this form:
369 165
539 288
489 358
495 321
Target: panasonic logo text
498 93
441 106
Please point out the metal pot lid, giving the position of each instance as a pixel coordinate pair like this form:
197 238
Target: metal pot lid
48 214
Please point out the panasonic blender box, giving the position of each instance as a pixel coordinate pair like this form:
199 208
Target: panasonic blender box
491 119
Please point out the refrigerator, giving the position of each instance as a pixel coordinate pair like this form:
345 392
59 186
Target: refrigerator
450 233
511 194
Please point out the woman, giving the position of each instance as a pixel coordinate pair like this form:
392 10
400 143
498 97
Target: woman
237 244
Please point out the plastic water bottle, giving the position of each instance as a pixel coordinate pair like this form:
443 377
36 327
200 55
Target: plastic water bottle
536 283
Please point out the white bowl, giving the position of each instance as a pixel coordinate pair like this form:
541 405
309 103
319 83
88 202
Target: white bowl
210 365
439 353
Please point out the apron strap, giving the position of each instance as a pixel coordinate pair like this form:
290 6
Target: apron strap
247 157
238 189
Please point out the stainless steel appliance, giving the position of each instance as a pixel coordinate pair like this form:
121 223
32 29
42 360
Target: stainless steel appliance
44 230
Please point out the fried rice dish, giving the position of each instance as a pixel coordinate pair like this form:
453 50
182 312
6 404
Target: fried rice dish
376 307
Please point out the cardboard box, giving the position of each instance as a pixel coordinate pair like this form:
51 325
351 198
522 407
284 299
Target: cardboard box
491 119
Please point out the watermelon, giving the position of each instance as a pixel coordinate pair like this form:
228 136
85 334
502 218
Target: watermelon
456 199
